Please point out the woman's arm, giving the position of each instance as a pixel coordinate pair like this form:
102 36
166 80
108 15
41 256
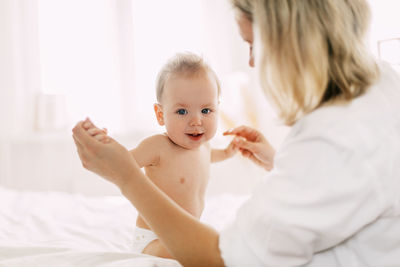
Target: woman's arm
191 242
186 238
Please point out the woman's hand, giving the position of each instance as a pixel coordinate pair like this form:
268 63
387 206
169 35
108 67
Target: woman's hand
254 146
103 155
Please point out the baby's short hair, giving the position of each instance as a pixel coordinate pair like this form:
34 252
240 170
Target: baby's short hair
183 64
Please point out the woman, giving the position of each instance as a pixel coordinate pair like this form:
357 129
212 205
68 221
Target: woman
331 198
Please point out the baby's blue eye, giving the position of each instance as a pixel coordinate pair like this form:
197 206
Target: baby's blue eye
182 111
205 110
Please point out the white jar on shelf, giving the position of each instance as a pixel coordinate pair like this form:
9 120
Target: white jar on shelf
51 113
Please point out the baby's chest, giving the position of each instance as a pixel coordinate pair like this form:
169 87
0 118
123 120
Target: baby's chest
190 165
183 169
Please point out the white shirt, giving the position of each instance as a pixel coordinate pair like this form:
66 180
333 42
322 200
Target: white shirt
333 197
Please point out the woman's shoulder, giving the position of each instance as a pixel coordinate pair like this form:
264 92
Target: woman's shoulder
366 118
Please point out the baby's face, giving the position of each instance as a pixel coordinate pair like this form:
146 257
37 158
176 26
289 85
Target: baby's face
190 109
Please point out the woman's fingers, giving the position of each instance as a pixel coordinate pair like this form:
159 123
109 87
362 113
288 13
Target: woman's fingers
246 132
80 149
103 155
87 124
86 134
77 144
82 136
243 144
256 160
253 145
95 131
252 157
98 134
102 138
237 131
262 164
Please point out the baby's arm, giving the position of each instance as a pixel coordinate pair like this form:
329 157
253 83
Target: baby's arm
147 152
223 154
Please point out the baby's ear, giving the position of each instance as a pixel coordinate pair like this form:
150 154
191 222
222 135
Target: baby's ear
159 114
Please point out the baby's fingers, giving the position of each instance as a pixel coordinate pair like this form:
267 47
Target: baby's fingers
231 149
95 131
102 138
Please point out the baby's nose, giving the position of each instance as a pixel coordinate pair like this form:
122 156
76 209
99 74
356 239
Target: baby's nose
195 120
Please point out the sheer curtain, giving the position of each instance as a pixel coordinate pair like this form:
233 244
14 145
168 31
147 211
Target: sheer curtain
62 60
80 53
19 74
102 56
19 65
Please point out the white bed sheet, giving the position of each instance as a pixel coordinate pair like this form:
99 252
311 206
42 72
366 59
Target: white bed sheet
60 229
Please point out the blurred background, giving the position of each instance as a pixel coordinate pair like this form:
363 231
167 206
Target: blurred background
64 60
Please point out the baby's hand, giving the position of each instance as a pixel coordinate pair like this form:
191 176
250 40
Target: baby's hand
98 134
231 149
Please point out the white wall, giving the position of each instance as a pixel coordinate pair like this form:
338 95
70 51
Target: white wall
50 162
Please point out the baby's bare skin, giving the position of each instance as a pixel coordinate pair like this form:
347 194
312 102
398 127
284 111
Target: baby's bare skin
181 173
178 162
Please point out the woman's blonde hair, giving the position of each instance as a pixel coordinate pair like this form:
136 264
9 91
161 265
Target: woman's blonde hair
312 52
186 64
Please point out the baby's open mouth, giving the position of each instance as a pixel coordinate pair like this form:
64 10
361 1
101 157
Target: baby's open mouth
195 136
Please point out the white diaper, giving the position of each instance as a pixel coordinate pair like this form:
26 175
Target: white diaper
141 238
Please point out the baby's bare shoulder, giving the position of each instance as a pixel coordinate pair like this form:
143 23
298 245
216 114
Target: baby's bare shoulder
150 150
157 141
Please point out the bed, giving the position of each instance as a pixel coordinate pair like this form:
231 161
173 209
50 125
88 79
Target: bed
64 229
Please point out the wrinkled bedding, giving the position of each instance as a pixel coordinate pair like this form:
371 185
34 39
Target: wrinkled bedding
60 229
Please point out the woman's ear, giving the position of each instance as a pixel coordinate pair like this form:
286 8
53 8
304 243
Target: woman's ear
159 114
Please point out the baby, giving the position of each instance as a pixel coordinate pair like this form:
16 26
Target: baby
178 161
